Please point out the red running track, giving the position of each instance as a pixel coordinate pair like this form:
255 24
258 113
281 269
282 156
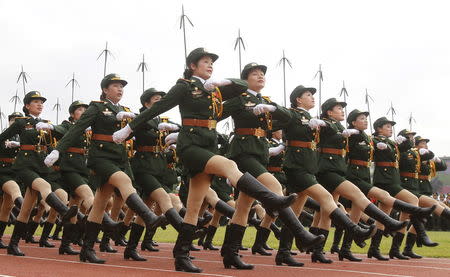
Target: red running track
46 262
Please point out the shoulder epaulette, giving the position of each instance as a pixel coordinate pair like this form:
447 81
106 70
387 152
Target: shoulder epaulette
126 109
244 94
22 117
98 101
186 80
267 98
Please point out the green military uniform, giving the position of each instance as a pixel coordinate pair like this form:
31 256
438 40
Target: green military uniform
360 156
29 162
7 156
300 160
105 157
409 164
427 171
386 175
250 149
332 166
195 144
72 163
275 165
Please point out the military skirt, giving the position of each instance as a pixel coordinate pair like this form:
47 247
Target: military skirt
425 188
223 190
331 180
360 176
102 169
299 179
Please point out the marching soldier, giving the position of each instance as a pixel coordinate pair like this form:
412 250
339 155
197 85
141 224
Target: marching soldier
35 137
200 108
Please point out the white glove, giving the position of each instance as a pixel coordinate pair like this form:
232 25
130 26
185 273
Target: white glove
12 144
88 129
400 139
124 115
122 134
423 151
171 138
348 132
263 108
315 123
274 151
172 147
436 159
167 127
51 158
44 126
382 146
212 84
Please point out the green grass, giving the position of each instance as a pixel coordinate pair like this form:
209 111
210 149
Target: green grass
441 251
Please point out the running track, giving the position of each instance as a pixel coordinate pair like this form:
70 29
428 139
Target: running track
46 262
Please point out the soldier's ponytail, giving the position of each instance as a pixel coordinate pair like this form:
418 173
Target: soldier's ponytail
103 96
25 111
188 73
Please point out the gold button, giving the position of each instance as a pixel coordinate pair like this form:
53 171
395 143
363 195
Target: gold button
261 119
210 107
118 125
209 96
243 138
26 154
298 150
101 145
385 169
191 129
84 140
357 167
70 155
331 158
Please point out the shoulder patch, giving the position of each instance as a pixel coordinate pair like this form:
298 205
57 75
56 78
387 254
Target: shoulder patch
22 117
98 101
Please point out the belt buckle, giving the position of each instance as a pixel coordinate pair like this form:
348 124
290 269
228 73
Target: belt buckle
369 163
211 124
396 165
259 132
344 152
313 145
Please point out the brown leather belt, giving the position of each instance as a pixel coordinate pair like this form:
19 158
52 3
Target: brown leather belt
302 144
7 160
425 177
387 164
257 132
409 175
152 149
76 150
274 169
334 151
211 124
29 147
360 163
102 137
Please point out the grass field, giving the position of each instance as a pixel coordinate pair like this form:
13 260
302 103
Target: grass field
441 251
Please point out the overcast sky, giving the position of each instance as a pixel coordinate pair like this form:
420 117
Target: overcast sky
398 50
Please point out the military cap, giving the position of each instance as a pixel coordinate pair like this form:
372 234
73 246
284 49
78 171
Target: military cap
405 133
249 67
297 92
147 94
14 115
354 114
199 53
331 103
77 104
112 78
418 139
32 95
381 121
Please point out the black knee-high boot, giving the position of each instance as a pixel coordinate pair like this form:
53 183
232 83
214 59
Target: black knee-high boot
31 229
207 244
174 218
374 250
340 219
422 237
345 251
58 229
135 203
312 204
408 251
3 225
119 235
395 247
317 254
43 242
87 253
338 232
230 248
314 231
276 231
284 250
147 243
224 209
181 249
271 201
66 213
262 234
65 247
400 205
445 213
390 224
303 238
18 232
131 249
108 224
104 244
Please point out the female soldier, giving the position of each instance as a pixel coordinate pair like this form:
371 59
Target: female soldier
300 165
360 156
149 166
107 160
10 190
197 143
29 166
